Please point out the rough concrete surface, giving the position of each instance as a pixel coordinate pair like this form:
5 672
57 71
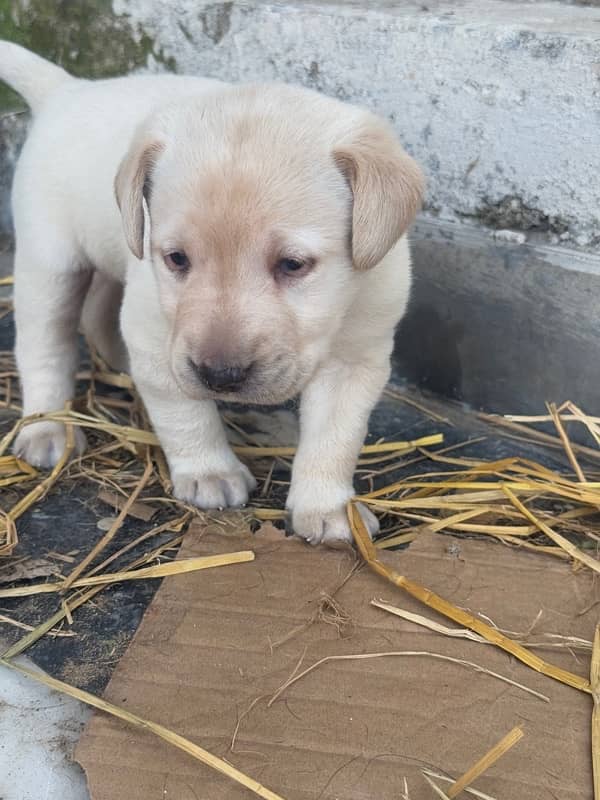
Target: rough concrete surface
500 101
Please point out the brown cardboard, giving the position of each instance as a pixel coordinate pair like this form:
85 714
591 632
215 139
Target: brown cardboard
350 730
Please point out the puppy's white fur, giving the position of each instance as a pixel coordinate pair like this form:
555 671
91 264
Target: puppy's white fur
238 178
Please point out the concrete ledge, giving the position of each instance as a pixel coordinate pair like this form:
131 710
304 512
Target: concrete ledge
503 327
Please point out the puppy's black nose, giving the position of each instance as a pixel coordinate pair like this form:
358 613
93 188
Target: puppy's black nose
221 377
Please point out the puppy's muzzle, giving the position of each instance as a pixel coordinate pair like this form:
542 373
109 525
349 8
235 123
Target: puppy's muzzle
220 377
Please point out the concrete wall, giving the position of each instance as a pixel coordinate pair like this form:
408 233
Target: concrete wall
499 101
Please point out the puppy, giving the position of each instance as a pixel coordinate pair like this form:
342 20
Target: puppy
256 235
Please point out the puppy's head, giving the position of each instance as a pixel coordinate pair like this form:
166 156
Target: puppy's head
263 205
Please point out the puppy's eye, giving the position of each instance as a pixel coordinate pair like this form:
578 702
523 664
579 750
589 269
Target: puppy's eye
177 261
292 266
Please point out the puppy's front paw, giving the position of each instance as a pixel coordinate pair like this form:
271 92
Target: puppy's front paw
226 486
331 528
42 444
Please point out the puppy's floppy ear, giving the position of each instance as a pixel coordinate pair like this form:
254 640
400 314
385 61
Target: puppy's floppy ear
387 188
132 185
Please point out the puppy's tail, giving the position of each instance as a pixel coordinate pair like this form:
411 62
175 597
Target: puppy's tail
32 77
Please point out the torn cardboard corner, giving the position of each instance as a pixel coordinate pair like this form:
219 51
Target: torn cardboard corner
213 648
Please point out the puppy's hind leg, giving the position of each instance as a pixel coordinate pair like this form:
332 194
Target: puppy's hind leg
100 320
49 293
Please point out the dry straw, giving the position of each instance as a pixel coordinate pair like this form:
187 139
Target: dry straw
548 640
485 762
7 520
179 567
79 597
595 682
515 501
431 774
110 534
429 598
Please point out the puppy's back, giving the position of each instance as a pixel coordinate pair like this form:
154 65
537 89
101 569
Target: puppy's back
81 130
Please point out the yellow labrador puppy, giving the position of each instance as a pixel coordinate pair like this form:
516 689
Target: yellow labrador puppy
259 234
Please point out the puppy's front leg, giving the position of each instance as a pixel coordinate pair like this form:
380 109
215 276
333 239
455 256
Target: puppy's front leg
204 469
334 413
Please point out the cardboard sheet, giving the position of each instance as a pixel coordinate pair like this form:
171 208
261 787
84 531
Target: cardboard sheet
211 643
